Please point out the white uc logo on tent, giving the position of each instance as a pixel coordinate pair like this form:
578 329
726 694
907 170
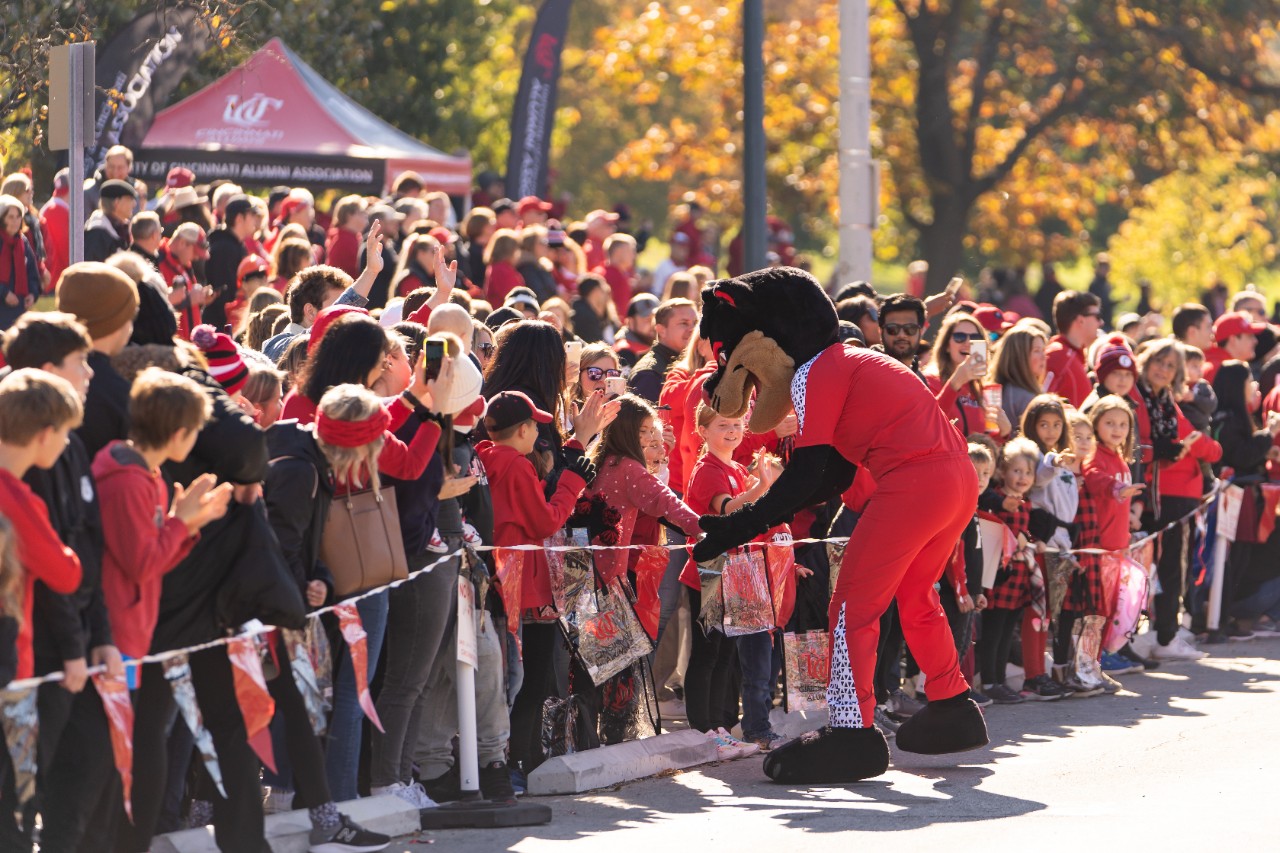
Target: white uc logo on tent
250 112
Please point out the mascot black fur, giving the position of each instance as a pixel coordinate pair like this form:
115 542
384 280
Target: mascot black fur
774 333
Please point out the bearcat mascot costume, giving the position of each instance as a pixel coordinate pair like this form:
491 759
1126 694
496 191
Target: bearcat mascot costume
774 331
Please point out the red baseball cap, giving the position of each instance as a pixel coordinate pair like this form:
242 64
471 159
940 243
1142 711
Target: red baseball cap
251 265
992 318
179 177
531 202
602 214
443 235
1235 323
509 408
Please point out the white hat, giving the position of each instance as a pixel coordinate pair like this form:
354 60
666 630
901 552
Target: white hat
467 382
392 314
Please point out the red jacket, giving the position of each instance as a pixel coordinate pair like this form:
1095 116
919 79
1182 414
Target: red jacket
964 411
188 314
342 249
499 280
55 217
143 543
522 516
1066 364
1104 475
43 556
620 283
1182 478
1214 357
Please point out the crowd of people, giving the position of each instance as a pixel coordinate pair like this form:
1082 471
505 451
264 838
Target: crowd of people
223 376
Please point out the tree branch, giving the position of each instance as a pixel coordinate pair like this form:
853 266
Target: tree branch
986 59
1220 75
1032 132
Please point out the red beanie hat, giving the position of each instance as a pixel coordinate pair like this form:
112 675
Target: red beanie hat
225 363
1114 357
325 319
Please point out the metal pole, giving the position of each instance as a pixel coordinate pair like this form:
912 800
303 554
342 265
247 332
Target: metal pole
755 203
75 154
859 176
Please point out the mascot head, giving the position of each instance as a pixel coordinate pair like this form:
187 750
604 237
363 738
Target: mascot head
762 326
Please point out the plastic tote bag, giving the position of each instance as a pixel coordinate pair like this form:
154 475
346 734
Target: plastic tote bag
1130 597
744 583
807 658
605 632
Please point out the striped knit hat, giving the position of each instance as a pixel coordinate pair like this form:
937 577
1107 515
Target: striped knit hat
225 363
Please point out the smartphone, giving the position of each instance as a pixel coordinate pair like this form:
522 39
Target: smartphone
978 351
615 386
573 350
433 354
953 287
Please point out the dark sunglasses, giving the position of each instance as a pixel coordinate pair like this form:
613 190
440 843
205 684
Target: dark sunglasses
1091 314
485 348
595 374
911 329
965 337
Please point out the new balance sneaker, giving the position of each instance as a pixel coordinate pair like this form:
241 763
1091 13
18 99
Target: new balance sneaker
1177 649
1042 688
900 706
1113 664
413 794
436 544
1003 695
884 723
745 748
348 837
495 783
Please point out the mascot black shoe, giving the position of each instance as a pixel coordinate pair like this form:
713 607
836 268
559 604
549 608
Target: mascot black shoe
774 336
829 757
947 725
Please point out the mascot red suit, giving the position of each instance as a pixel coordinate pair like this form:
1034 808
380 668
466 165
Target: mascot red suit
775 332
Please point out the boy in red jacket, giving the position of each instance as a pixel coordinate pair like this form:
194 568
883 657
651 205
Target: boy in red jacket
145 535
37 412
521 516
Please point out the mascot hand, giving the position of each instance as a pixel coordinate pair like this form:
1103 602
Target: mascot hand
725 532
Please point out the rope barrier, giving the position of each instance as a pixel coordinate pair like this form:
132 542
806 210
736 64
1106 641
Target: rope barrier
160 657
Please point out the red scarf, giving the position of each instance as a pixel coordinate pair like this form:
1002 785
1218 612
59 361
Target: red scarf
13 256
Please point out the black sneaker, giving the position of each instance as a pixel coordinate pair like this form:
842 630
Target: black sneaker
1003 695
495 783
1128 653
349 837
446 787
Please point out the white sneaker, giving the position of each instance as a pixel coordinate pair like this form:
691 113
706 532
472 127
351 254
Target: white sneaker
470 535
1178 649
725 751
437 546
744 748
415 795
673 708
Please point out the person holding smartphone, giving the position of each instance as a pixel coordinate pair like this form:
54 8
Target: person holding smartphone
955 377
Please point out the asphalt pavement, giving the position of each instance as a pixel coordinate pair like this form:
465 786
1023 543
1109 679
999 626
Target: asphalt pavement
1185 757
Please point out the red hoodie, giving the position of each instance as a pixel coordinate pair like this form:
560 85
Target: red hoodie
43 556
143 543
1104 475
342 248
1066 364
522 516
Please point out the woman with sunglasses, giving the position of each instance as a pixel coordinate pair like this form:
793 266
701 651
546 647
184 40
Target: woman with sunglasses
597 364
955 377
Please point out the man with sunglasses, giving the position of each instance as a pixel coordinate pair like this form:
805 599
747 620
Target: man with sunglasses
901 326
1078 318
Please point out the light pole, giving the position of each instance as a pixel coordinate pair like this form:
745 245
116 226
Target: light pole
754 202
859 176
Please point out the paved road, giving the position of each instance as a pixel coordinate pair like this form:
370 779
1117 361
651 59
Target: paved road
1187 755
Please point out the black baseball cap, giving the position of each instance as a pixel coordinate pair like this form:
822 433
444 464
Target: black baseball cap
115 188
642 305
509 408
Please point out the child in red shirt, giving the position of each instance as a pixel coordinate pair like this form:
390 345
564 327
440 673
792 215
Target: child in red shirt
718 486
37 411
145 535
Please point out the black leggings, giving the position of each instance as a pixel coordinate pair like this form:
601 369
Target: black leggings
997 642
544 653
1063 639
1172 566
711 679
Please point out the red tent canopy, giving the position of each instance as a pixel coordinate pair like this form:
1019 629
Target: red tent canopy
274 120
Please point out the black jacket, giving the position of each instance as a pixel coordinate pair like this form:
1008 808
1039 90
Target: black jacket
106 409
587 324
225 254
237 570
539 279
101 237
67 627
417 501
298 493
650 372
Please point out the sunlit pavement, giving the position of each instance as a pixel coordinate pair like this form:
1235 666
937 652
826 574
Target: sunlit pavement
1187 755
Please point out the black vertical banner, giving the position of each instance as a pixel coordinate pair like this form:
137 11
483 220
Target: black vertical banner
138 69
535 107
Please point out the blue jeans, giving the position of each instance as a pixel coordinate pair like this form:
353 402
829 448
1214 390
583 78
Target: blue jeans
1265 601
755 658
342 754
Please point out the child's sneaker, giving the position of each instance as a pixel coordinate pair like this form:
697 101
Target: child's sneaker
744 748
726 748
470 535
1042 688
1113 664
437 545
1003 695
767 741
